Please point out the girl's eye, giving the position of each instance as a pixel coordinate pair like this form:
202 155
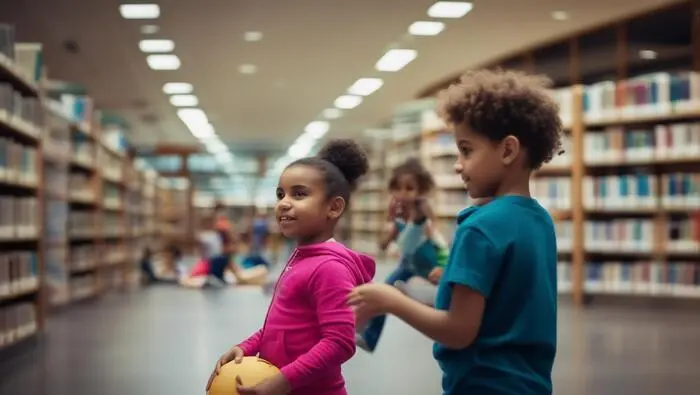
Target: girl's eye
300 194
280 195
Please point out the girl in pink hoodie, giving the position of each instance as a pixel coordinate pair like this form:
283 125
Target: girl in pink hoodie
309 331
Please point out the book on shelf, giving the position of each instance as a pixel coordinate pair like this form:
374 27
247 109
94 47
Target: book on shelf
680 190
23 113
657 94
83 287
18 217
620 192
682 234
642 144
629 235
17 163
18 272
553 193
17 322
653 278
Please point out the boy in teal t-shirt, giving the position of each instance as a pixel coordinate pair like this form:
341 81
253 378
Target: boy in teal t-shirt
494 322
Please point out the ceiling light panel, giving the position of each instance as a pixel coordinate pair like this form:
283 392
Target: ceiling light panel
149 29
396 59
450 9
317 129
156 46
163 62
184 100
347 102
177 88
365 86
560 15
247 69
253 36
193 117
139 11
332 113
426 28
203 132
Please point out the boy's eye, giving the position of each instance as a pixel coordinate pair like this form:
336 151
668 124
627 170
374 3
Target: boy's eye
465 150
280 194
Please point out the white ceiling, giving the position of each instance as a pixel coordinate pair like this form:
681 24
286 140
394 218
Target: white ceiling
311 52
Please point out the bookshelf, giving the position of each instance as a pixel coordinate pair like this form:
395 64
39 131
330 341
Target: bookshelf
21 173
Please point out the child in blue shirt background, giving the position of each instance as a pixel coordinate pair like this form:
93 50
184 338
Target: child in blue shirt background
494 321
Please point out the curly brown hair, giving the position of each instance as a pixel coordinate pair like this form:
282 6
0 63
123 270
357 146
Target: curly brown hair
415 168
497 103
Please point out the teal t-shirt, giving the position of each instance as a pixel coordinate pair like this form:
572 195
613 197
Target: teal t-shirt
506 250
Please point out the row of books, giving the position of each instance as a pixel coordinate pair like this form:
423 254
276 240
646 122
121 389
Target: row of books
83 257
82 223
681 235
18 162
81 187
18 217
14 106
17 322
113 225
369 201
19 272
56 180
656 94
83 150
642 145
111 196
676 278
639 191
83 287
553 193
112 167
565 235
113 253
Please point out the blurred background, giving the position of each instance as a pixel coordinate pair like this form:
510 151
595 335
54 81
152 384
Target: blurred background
130 130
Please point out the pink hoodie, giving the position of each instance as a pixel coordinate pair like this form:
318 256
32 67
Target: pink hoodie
309 331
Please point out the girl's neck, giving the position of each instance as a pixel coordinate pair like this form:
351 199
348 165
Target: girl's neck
315 239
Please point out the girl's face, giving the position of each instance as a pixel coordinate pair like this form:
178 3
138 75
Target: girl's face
479 163
406 190
303 211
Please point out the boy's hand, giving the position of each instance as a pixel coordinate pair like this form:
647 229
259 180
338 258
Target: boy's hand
395 209
435 275
235 354
277 385
422 210
370 300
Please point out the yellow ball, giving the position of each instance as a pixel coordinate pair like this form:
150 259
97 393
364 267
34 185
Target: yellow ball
251 370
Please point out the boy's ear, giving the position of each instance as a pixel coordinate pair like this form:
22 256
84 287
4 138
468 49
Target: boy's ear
510 149
336 208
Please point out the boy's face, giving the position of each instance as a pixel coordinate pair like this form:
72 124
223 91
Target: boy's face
406 189
481 163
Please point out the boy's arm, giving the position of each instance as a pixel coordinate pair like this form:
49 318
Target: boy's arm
471 276
251 346
329 286
388 235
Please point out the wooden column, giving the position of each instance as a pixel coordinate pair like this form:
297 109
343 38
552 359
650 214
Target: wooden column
578 256
695 28
574 61
621 56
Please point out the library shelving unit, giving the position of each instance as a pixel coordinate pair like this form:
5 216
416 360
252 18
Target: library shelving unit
625 194
21 228
141 226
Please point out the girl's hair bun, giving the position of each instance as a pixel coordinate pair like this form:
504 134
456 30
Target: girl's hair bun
348 157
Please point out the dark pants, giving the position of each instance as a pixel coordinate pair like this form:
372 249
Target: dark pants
376 325
218 265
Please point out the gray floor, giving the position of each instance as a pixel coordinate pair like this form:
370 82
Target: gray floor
165 340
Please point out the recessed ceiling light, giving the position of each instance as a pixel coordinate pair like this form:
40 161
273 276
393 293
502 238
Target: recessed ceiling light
347 102
648 54
332 113
163 62
560 15
365 86
253 36
299 150
205 132
426 28
177 88
149 29
317 129
151 46
139 11
247 69
450 9
396 59
184 100
194 118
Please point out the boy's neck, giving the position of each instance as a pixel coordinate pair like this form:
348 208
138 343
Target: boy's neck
516 185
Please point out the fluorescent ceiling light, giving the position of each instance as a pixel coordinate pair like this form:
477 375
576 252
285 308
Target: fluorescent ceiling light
149 29
299 150
215 146
396 59
332 113
560 15
184 100
450 9
151 46
193 117
247 69
426 28
317 129
203 132
365 86
177 88
253 36
347 102
163 62
139 11
648 54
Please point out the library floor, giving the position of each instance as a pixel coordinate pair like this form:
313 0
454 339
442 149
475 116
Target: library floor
165 340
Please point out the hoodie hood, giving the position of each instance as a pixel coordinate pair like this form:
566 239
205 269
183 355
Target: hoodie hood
362 266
